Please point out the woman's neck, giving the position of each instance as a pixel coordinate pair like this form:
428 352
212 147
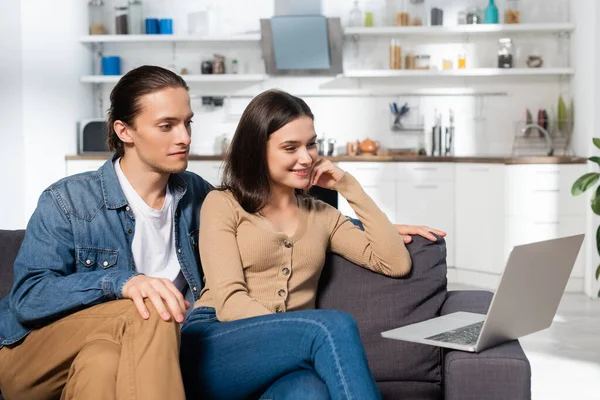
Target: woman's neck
282 198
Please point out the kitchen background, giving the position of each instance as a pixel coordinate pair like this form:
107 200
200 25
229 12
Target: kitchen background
51 79
487 112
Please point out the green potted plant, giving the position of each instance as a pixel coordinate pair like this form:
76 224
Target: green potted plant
582 184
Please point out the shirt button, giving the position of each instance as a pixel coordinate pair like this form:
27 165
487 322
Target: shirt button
195 288
88 262
286 271
105 263
179 250
287 244
281 293
127 208
129 230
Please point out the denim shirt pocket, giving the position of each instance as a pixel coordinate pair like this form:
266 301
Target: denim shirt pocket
96 258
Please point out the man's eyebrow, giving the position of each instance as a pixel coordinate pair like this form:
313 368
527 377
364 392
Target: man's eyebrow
174 118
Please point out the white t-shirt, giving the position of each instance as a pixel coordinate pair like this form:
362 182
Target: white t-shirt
153 245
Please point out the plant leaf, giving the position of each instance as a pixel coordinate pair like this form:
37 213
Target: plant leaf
596 202
596 142
584 182
598 293
598 240
595 159
598 272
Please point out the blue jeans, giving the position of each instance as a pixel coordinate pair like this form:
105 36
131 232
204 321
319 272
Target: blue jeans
242 359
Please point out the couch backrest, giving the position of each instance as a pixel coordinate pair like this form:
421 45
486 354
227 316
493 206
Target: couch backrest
10 243
379 303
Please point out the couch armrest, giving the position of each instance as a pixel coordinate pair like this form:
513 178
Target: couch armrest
501 372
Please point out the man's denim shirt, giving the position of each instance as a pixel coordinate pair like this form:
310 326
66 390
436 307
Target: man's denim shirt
77 248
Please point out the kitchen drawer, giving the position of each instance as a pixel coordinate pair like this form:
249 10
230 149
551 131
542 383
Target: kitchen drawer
383 195
542 202
370 173
211 171
543 176
528 230
77 166
425 172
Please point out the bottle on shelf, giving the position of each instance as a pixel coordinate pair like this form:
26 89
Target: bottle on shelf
462 59
395 55
491 13
356 17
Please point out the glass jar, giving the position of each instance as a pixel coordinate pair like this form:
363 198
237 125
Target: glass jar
96 15
512 14
474 16
505 55
410 61
402 17
219 64
121 20
356 17
417 13
422 61
134 18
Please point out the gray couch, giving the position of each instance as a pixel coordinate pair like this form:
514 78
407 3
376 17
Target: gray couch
403 370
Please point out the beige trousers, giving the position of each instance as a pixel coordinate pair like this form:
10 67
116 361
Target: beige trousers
104 352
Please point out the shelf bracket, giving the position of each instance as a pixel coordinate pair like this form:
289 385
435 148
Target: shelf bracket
97 88
97 53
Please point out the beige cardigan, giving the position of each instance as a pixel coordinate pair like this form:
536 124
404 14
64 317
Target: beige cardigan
252 270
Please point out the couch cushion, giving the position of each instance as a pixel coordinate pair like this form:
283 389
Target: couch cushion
379 303
10 243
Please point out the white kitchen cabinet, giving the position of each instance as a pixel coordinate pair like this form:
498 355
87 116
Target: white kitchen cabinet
543 192
526 230
211 171
78 166
479 219
378 181
430 204
384 195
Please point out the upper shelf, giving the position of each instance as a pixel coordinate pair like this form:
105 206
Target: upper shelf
479 29
387 73
251 37
216 78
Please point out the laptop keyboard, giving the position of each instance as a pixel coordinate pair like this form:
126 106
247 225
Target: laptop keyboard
464 335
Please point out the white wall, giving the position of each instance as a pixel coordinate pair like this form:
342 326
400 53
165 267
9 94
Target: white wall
11 135
53 98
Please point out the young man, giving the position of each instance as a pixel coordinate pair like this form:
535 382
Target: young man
110 263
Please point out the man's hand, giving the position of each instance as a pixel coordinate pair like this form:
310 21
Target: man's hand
425 231
159 291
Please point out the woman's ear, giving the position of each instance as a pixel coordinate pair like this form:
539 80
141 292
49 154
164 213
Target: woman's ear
122 131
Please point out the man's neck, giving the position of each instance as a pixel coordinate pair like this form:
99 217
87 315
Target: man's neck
150 185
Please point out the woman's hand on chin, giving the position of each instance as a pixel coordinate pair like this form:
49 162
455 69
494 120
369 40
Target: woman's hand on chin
325 174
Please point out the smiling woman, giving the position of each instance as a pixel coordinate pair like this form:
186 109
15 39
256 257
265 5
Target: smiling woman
263 243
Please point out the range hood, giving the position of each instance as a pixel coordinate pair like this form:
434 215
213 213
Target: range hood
301 42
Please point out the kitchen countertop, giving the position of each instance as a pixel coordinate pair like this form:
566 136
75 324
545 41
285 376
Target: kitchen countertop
400 158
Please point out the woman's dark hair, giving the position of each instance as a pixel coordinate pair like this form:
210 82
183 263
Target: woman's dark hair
246 172
125 98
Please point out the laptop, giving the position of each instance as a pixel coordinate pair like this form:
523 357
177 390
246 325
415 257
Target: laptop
525 301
